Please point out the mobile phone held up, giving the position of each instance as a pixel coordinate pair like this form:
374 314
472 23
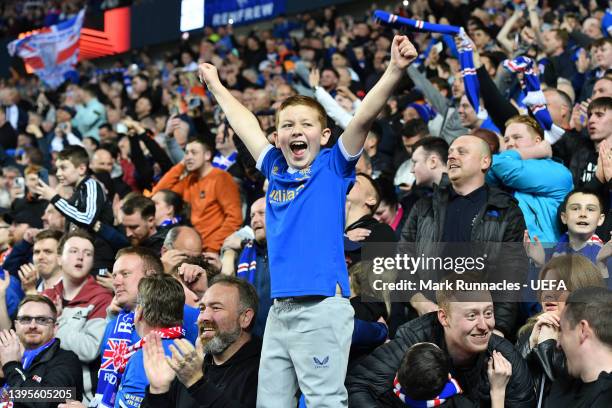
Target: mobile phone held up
43 175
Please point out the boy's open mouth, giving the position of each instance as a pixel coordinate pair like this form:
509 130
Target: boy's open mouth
298 148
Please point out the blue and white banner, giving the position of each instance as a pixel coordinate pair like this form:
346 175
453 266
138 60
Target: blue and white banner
237 12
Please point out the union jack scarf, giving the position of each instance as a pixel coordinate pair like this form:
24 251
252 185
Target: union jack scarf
534 99
115 355
113 361
451 389
466 52
247 265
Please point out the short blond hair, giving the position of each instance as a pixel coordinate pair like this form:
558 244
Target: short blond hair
529 122
445 296
300 100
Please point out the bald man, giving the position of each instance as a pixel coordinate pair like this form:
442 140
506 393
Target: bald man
463 208
560 107
102 160
180 243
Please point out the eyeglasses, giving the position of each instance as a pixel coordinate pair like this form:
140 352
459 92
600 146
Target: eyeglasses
40 320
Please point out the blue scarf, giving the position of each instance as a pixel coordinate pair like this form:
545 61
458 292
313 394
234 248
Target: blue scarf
171 221
247 265
451 389
534 98
466 53
114 358
223 162
30 355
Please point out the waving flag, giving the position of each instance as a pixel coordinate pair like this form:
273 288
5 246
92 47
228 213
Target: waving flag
51 51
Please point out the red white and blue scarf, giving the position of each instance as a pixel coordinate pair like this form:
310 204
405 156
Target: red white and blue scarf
451 389
116 353
247 264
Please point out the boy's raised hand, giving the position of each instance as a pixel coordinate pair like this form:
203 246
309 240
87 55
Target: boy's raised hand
402 52
208 74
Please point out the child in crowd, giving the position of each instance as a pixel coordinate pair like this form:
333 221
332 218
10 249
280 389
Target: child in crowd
88 203
424 379
308 282
581 212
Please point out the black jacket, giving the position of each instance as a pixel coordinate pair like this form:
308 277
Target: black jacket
545 361
32 206
380 232
156 241
561 66
554 385
370 380
576 394
53 367
499 221
8 136
230 385
144 166
426 219
579 154
87 205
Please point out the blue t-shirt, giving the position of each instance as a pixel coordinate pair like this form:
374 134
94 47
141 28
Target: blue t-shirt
134 380
305 222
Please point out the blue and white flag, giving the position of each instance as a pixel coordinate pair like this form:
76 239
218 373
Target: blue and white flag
52 51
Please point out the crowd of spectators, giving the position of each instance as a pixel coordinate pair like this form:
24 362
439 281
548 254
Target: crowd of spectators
22 16
188 229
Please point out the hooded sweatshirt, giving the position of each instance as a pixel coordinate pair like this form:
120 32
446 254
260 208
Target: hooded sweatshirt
81 325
